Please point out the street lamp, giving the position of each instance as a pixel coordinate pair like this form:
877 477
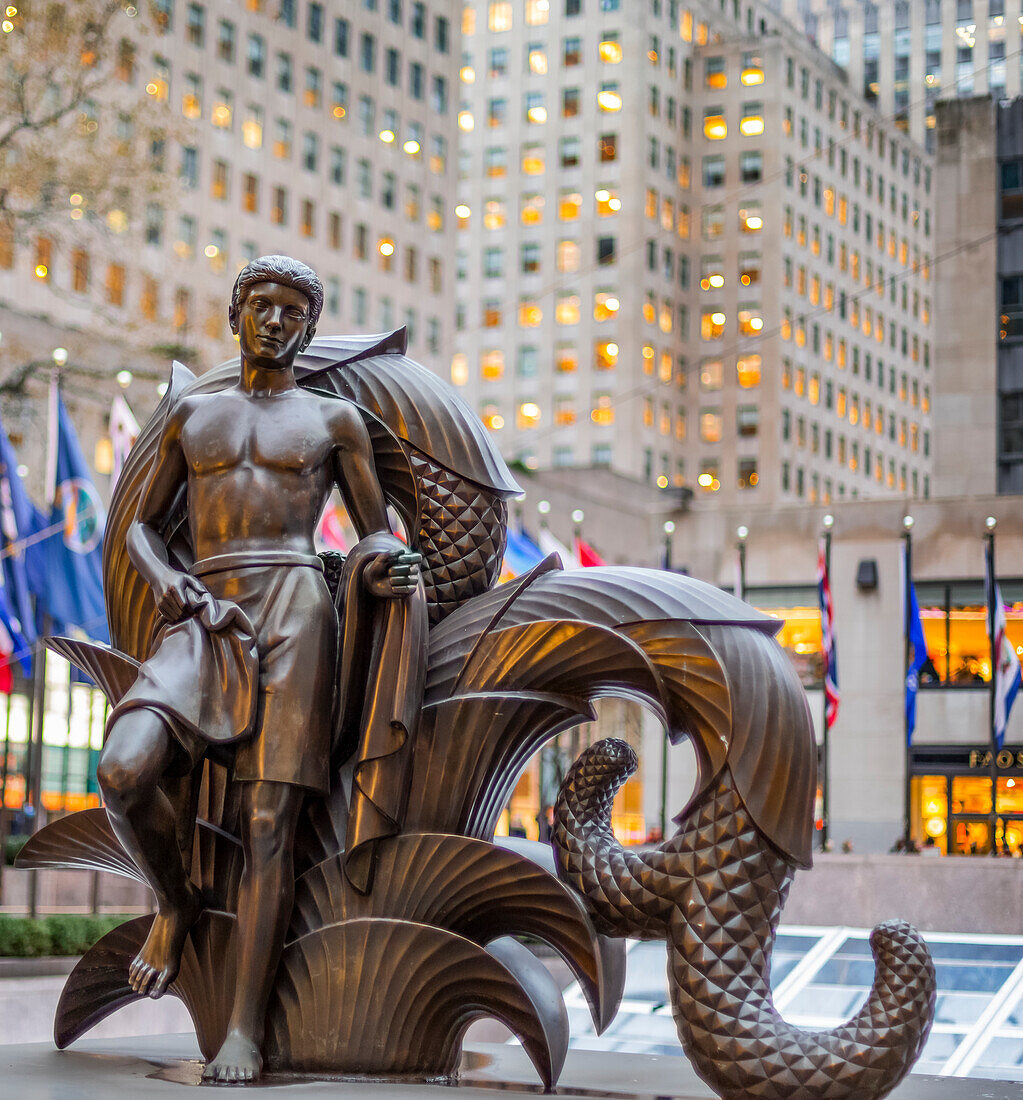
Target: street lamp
60 356
741 535
669 530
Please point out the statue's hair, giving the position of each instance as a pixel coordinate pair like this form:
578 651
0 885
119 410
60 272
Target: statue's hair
284 271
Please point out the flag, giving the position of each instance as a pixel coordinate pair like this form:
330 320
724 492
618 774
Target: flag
586 554
73 552
331 531
831 694
520 554
124 430
21 527
1005 666
917 648
551 544
13 644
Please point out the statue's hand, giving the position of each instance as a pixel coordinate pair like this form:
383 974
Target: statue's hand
393 575
177 594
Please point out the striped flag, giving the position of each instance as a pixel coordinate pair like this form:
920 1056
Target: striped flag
1006 672
827 636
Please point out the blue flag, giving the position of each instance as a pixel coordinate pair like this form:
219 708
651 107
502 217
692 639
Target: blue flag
21 524
521 553
918 656
74 552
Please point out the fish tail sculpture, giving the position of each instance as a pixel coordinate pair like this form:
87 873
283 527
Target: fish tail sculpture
715 891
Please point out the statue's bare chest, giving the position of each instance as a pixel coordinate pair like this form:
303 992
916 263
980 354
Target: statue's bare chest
271 434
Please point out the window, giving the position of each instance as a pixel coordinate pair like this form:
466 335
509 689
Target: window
568 255
367 53
608 148
342 33
571 52
751 167
285 78
711 425
715 128
279 207
530 257
570 102
195 25
570 204
531 210
257 55
569 151
747 420
714 73
314 22
226 40
714 171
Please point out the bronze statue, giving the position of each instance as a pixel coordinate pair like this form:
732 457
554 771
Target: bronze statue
416 721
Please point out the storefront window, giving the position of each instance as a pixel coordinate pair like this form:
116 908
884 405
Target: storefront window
800 635
952 812
954 617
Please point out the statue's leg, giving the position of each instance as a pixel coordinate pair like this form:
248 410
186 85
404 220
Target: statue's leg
138 751
269 814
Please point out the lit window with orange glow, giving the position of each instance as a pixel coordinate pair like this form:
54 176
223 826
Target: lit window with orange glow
466 122
751 124
715 128
533 160
467 74
648 412
609 98
712 324
608 202
750 321
752 70
665 317
491 416
648 359
650 309
712 374
813 393
570 204
603 411
680 425
221 117
650 204
531 212
528 415
494 213
715 76
747 369
566 359
567 255
605 305
610 50
799 386
530 313
538 60
537 12
499 16
605 355
492 364
468 20
564 411
566 310
750 220
459 369
708 479
664 370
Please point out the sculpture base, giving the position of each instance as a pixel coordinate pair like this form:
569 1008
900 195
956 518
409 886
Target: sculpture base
159 1066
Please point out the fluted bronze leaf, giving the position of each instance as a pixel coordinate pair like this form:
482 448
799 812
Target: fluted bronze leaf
469 887
98 985
79 841
112 670
393 998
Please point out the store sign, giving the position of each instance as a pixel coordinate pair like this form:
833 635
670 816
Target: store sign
960 759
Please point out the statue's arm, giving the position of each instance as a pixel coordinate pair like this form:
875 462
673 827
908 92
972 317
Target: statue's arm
172 589
393 574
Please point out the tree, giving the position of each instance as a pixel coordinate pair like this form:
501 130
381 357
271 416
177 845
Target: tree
80 147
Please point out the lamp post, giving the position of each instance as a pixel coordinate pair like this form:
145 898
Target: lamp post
989 550
741 535
907 536
825 762
669 530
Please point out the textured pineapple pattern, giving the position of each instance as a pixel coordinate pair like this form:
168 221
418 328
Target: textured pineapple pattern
461 535
715 891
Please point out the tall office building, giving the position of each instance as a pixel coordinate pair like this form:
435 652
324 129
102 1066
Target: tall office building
324 130
689 251
905 55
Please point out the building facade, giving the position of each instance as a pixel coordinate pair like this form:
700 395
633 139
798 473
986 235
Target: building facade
905 55
326 131
691 252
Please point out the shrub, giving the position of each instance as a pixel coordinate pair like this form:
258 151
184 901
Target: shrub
61 934
12 846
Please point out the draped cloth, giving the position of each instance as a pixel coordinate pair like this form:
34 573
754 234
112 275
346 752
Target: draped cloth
382 672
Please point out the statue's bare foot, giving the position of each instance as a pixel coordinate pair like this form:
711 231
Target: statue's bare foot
237 1062
157 964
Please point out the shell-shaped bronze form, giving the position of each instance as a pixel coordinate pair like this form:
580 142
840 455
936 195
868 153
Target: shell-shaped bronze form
474 889
112 670
80 841
98 985
393 998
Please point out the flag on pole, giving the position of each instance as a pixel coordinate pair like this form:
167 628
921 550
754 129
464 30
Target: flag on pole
586 554
520 555
21 524
124 430
73 553
331 531
917 648
1005 672
551 544
831 693
13 644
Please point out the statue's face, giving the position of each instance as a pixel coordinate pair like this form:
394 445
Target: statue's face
272 324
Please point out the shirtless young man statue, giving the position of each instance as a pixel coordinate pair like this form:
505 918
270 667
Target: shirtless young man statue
258 461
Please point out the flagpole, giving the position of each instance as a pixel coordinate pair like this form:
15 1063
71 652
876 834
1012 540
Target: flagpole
669 530
828 522
741 534
907 794
989 539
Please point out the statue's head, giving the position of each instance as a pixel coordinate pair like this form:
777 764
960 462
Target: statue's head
284 271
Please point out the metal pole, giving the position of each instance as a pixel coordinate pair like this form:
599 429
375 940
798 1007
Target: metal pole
907 832
825 753
34 788
989 538
669 528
